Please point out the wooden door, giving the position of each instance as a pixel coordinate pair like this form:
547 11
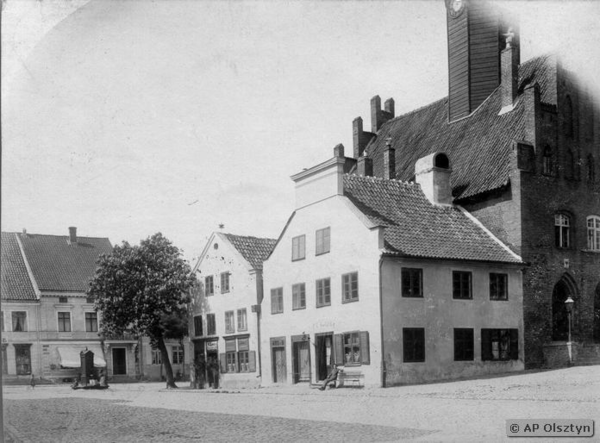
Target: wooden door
279 366
301 362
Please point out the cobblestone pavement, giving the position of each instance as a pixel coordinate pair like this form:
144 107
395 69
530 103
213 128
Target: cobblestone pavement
470 410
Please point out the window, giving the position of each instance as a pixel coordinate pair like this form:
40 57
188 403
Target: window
593 233
242 319
461 285
413 343
412 282
276 301
224 282
89 300
211 324
299 247
463 344
209 286
562 231
591 170
350 287
238 359
229 323
323 241
243 361
177 352
499 344
231 362
19 321
64 322
91 322
498 286
156 357
197 326
63 299
299 296
324 292
352 348
547 164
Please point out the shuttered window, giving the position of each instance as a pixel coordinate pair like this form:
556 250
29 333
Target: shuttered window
198 326
211 326
352 348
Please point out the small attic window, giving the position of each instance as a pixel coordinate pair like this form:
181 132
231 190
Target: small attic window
441 161
216 246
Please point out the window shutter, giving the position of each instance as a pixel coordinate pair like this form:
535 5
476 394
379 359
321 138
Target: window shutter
514 344
338 346
364 347
223 360
252 361
486 348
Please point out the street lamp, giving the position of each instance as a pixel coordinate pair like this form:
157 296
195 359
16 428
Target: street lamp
569 307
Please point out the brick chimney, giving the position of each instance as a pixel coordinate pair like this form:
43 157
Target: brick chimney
73 235
509 61
379 116
364 166
389 161
433 174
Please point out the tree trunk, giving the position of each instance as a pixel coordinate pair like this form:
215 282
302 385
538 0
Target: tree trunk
166 363
183 360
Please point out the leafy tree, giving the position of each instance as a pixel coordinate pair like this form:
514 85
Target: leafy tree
137 287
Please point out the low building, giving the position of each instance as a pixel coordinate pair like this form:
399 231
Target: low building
225 323
388 279
47 320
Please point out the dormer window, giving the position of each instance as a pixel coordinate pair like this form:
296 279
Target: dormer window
562 231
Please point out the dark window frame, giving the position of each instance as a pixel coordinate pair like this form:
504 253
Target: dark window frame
91 322
413 345
198 329
230 322
225 284
462 290
323 292
211 324
411 277
299 247
323 241
498 286
64 323
350 288
19 322
464 344
507 347
563 232
298 296
209 285
277 300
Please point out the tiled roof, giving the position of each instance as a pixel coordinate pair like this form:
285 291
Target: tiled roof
60 266
255 250
16 284
479 146
417 228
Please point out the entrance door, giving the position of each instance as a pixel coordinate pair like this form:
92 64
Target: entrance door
301 362
279 367
212 368
119 361
560 318
23 359
324 355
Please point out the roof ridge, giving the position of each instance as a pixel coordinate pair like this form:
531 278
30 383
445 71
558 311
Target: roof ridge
248 236
373 178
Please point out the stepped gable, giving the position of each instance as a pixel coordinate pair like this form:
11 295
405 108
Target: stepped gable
15 282
255 250
479 145
59 265
417 228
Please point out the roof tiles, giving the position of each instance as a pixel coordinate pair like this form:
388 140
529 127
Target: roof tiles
415 227
255 250
15 282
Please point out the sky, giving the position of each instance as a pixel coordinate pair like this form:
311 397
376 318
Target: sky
126 117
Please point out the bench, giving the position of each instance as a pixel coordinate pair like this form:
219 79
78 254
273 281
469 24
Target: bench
350 379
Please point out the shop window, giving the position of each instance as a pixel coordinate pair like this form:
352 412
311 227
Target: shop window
412 282
463 344
498 286
499 344
462 285
299 296
323 292
413 344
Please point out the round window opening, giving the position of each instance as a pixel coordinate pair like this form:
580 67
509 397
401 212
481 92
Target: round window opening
216 246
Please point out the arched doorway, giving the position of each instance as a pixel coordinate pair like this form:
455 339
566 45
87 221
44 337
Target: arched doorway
597 315
560 319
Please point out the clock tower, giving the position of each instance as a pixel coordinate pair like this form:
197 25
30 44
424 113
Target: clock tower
475 39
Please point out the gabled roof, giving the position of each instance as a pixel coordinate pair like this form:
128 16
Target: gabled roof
479 146
255 250
417 228
15 282
58 265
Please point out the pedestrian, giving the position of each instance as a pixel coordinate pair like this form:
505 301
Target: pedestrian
32 381
331 378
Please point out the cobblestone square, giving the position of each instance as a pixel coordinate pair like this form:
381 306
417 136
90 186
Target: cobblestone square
469 410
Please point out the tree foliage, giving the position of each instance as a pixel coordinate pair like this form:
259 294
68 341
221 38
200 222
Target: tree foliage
141 289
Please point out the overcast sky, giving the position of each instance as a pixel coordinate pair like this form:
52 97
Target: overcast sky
125 118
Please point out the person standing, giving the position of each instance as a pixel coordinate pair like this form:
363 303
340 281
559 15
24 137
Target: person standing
32 381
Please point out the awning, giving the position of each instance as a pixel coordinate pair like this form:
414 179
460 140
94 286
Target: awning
70 356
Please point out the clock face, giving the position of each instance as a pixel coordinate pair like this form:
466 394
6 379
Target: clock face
455 7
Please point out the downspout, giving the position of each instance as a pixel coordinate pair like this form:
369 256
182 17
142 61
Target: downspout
259 292
383 374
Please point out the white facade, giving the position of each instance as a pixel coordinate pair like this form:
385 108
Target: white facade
236 293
